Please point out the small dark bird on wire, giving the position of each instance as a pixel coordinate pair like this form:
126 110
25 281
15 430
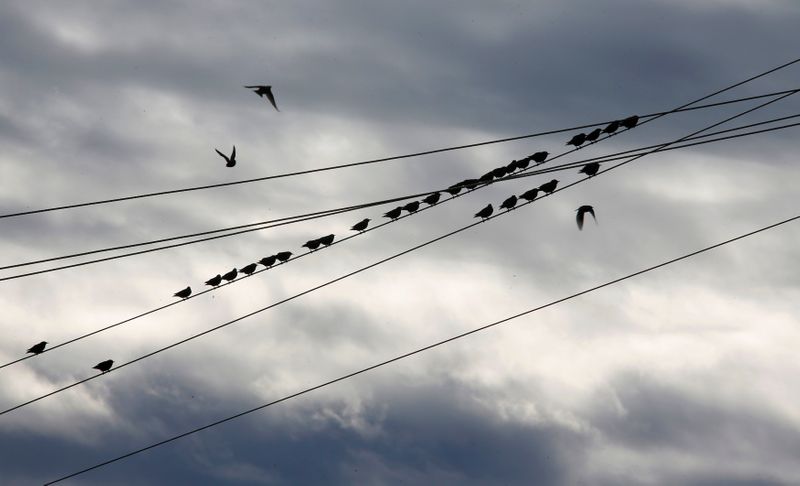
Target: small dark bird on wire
499 172
214 281
432 199
485 212
523 163
229 161
486 178
230 275
509 203
630 122
611 127
582 212
264 91
327 240
470 183
539 157
183 293
37 348
283 256
577 140
454 189
361 225
530 195
412 207
249 269
590 169
549 187
268 261
511 167
312 244
104 366
594 134
394 213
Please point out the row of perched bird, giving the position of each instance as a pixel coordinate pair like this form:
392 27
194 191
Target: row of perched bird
612 127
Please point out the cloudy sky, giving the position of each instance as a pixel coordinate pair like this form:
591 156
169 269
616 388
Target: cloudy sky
682 376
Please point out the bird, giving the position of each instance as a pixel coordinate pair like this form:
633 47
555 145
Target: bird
104 366
594 134
511 167
312 244
361 225
231 275
611 127
412 207
549 187
264 91
630 122
539 157
283 256
523 163
249 269
454 189
499 172
577 140
485 212
229 161
432 199
37 348
394 213
486 178
470 183
530 195
214 281
268 261
590 169
183 293
327 240
582 212
509 203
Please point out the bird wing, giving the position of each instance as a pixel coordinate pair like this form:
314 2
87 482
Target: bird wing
590 210
271 99
252 87
233 153
221 154
579 218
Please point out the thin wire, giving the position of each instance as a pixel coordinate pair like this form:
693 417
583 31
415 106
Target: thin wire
422 349
400 157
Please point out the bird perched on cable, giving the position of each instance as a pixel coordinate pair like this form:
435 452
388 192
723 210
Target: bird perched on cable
577 140
522 163
509 203
283 256
412 207
262 91
327 240
37 348
582 212
361 225
539 157
104 366
485 212
455 189
549 187
630 122
486 178
268 261
432 199
312 244
499 172
611 127
214 281
530 195
594 134
183 293
590 169
470 184
394 213
249 269
511 167
229 161
230 275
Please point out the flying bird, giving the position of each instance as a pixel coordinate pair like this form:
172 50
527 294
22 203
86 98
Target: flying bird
312 244
611 127
183 293
539 157
577 140
394 213
594 134
530 195
230 275
630 122
249 269
509 203
214 281
485 212
229 161
104 366
264 91
549 187
283 256
327 240
590 169
412 207
432 199
582 212
268 261
361 225
37 348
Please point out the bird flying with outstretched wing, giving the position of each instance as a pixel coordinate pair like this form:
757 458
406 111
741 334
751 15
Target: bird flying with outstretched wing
229 161
582 212
262 91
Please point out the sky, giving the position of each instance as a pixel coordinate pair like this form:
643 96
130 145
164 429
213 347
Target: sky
686 375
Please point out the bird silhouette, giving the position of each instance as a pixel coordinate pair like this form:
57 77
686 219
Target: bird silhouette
523 163
509 203
470 183
104 366
611 127
412 207
511 167
486 178
577 140
582 212
283 256
499 172
229 161
394 213
262 91
312 244
485 212
249 268
530 195
630 122
214 281
327 240
455 189
230 275
549 187
37 348
183 293
594 134
539 157
268 261
361 225
590 169
432 199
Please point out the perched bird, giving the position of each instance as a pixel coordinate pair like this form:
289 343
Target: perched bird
470 183
594 134
499 172
611 127
312 244
486 178
361 225
104 366
432 199
249 269
283 256
455 189
511 167
268 261
539 157
183 293
214 281
590 169
630 122
509 203
230 275
327 240
412 207
582 212
229 161
549 187
523 163
530 195
577 140
394 213
485 212
264 91
37 348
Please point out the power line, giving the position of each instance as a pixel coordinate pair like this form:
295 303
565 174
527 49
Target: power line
422 349
398 157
